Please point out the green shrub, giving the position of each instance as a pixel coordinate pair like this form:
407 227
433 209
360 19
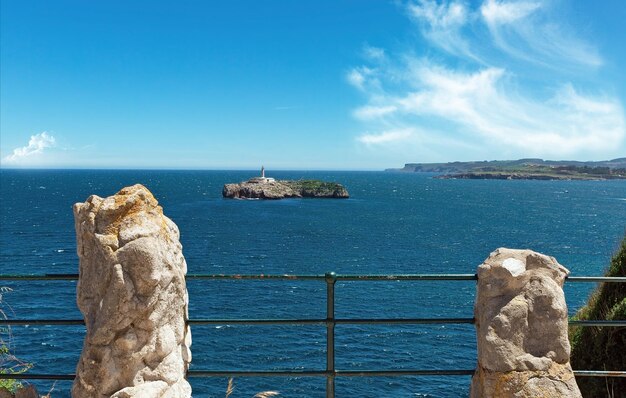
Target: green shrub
9 363
603 348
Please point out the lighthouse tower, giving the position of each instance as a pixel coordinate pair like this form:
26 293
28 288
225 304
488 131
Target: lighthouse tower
262 179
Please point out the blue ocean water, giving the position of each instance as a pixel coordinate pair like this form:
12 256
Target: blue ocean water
393 223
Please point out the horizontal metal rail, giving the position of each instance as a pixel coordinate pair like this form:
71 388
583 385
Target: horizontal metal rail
399 277
586 323
329 322
618 279
339 321
599 373
37 376
48 322
314 373
336 373
44 277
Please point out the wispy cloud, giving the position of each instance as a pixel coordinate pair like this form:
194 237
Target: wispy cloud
36 146
523 31
442 24
386 137
484 103
374 53
370 112
499 13
419 100
363 78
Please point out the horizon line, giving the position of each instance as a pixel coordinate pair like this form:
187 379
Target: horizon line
181 169
248 168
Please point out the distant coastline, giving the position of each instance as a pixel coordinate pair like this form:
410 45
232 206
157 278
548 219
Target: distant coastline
523 169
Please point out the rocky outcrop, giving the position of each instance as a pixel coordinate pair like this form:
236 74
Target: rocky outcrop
29 391
521 324
133 297
262 189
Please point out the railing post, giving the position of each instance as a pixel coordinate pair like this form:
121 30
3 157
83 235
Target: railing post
331 278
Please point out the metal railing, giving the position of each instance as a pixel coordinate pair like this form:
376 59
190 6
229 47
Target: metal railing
330 321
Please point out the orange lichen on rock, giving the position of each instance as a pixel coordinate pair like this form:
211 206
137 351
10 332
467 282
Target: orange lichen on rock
550 383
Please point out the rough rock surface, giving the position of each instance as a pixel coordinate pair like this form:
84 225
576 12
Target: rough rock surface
27 392
254 189
521 325
133 297
22 392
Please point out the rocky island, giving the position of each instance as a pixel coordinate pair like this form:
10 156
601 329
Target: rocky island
523 169
269 188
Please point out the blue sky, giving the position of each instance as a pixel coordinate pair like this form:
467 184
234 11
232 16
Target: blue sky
309 85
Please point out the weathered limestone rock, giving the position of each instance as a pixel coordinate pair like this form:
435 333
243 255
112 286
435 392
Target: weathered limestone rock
27 392
133 297
521 325
254 190
258 188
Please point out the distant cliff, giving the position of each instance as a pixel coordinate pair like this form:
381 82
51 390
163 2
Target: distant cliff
523 169
258 188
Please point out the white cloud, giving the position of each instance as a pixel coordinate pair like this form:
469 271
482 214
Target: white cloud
442 24
374 53
527 30
444 15
520 30
34 149
485 105
372 112
356 78
359 77
386 137
497 12
472 101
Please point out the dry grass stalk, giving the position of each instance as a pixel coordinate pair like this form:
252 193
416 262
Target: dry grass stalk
49 394
230 388
267 394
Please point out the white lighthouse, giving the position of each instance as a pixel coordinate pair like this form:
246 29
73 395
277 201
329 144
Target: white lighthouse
262 179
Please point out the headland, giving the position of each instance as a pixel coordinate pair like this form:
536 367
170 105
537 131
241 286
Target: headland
523 169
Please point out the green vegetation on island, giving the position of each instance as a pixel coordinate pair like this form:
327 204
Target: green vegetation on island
317 188
603 348
524 169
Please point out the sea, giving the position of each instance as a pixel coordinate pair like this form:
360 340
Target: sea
393 223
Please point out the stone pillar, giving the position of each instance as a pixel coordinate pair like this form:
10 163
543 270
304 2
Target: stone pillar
521 326
133 297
